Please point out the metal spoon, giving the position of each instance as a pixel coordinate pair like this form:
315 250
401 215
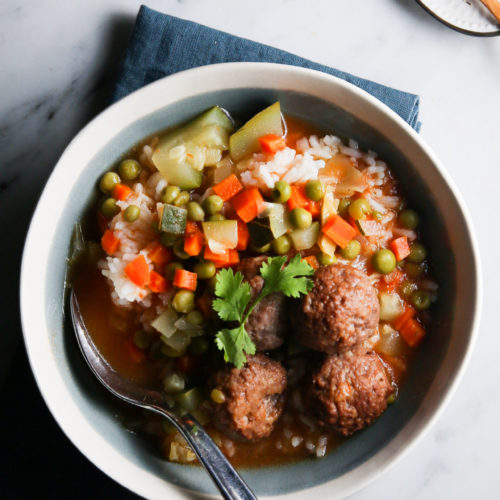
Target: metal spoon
225 477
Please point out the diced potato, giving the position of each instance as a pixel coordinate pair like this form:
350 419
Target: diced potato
221 235
165 323
303 239
391 306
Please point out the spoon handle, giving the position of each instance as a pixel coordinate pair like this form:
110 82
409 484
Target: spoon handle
223 474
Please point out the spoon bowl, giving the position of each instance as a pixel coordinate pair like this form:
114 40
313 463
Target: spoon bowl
225 477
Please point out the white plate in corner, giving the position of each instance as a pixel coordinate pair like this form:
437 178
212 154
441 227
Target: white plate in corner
468 16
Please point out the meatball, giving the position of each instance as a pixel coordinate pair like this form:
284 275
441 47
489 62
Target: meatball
341 311
254 398
350 391
268 322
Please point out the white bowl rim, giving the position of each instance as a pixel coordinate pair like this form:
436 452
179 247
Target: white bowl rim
50 384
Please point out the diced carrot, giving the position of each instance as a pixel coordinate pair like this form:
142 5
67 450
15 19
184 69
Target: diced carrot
412 332
298 198
228 187
391 281
187 364
158 254
109 242
407 314
185 279
157 282
138 271
271 143
193 243
314 207
243 235
102 222
400 247
226 259
339 230
192 227
248 204
312 261
121 192
134 352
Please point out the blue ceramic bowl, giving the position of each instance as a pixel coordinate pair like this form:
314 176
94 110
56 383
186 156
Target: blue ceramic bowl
83 410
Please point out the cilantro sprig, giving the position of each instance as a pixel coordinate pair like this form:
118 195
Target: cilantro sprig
234 295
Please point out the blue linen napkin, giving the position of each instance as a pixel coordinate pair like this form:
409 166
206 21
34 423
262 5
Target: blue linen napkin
162 45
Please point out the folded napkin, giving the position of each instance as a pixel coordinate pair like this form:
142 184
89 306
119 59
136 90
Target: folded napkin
162 45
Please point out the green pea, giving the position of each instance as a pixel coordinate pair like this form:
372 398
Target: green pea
169 194
281 192
281 245
179 250
213 204
413 270
199 345
108 181
129 169
216 217
300 218
205 269
195 212
418 253
407 288
194 318
359 209
409 219
170 352
351 251
109 208
263 249
384 261
420 300
183 301
326 260
181 199
168 239
343 205
315 190
170 269
142 339
131 213
174 383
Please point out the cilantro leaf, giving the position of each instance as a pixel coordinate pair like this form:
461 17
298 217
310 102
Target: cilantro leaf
234 295
290 280
235 343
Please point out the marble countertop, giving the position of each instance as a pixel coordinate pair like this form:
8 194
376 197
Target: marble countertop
58 60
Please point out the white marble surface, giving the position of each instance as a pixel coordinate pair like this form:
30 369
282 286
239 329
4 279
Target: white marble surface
57 59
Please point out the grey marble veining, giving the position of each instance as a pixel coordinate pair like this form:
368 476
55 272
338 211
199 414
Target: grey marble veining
57 63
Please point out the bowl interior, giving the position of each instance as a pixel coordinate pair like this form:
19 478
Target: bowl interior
435 365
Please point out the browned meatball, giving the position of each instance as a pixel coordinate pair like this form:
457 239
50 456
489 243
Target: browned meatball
268 322
341 311
350 391
254 398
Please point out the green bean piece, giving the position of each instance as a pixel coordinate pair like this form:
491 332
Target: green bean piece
129 169
131 213
315 190
205 269
409 219
281 192
169 194
281 245
359 209
300 218
195 212
384 261
352 250
109 208
108 181
170 269
418 253
420 300
183 301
